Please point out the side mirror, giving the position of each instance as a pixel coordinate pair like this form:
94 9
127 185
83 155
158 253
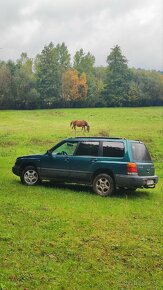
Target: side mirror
48 152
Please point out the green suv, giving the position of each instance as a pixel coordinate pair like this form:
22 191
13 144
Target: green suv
104 163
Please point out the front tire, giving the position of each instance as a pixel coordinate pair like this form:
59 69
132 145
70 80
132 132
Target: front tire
29 176
103 184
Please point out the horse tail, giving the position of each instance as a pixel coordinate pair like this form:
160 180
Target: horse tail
71 123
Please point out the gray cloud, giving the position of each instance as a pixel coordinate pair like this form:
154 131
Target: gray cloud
93 25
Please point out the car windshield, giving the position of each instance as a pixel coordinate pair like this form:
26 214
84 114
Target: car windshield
140 152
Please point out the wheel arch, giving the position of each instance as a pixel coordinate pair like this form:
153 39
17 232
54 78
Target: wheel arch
105 171
26 164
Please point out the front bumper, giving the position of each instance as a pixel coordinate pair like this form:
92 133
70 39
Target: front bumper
16 170
136 181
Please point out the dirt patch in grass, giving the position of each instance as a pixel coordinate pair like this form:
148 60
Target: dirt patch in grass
147 140
103 133
7 143
56 113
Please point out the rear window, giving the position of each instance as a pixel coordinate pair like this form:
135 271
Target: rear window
87 149
113 149
140 152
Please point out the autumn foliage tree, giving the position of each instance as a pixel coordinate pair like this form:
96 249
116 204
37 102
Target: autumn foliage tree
74 87
82 86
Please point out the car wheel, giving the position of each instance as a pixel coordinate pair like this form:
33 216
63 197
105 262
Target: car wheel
103 184
30 176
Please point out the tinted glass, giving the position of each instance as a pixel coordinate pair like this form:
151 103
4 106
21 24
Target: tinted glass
113 149
140 152
66 148
87 149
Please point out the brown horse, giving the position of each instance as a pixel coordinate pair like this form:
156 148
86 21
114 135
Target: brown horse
77 123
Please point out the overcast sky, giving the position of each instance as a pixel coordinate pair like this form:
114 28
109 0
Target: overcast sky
94 25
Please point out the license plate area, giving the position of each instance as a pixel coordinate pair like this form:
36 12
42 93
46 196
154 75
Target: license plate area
150 182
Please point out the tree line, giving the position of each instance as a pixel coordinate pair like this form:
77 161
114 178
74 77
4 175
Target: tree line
52 80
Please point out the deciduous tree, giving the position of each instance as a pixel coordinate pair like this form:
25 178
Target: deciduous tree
50 65
74 87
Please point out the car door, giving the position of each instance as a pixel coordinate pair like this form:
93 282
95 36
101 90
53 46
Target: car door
84 160
55 164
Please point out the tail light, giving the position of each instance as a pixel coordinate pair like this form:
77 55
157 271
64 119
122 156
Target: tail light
132 168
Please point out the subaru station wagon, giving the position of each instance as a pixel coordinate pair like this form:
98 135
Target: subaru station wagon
103 163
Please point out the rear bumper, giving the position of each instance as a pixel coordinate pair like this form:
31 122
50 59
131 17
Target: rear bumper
135 181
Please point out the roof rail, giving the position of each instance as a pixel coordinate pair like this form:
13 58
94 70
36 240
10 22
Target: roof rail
96 137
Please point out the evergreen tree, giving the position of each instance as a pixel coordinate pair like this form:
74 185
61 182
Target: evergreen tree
117 78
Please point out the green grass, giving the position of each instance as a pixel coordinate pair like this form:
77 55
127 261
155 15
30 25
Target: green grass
66 237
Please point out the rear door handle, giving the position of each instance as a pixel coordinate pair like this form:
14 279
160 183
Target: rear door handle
67 159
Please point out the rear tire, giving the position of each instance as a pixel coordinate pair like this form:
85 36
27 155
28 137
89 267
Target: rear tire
103 184
29 176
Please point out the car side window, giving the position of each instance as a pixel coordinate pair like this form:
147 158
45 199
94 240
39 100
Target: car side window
87 149
66 148
113 149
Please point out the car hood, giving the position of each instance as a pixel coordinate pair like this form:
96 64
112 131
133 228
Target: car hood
33 156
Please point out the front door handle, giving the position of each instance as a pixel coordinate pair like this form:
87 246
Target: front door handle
67 159
94 160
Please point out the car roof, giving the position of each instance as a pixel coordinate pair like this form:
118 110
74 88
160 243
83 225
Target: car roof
96 138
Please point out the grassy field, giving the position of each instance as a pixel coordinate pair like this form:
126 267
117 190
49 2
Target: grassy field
66 237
